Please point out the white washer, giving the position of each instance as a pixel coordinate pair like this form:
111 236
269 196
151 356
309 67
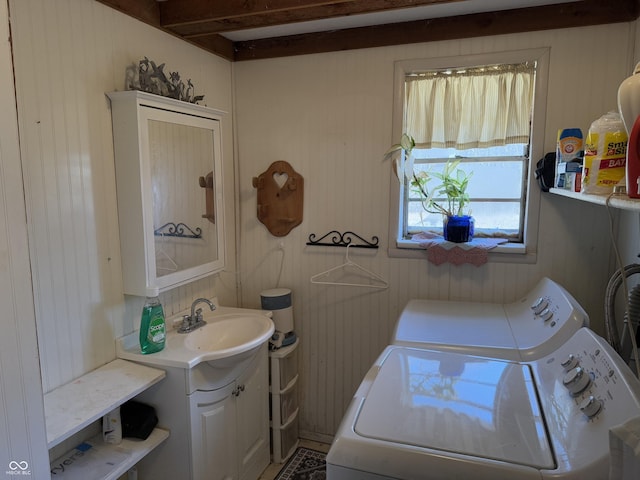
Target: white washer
432 414
528 328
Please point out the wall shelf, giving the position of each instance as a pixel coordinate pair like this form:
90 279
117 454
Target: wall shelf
617 201
105 461
75 405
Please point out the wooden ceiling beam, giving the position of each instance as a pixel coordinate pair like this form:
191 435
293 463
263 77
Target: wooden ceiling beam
287 16
566 15
178 12
571 14
147 11
216 44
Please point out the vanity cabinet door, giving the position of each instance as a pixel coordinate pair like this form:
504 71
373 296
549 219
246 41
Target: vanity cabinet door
213 434
253 418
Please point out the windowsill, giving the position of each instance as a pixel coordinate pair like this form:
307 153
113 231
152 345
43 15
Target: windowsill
507 253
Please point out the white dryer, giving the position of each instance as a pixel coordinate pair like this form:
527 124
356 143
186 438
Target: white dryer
438 414
528 328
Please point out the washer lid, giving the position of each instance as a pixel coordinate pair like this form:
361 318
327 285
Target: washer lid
457 403
477 327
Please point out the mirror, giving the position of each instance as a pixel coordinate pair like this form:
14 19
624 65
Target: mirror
179 167
185 237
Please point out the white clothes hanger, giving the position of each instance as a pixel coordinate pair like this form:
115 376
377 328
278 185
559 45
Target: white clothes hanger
161 254
375 280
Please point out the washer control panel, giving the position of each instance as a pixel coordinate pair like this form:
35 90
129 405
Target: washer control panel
544 319
585 389
591 378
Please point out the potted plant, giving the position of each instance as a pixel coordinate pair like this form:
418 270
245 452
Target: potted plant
453 182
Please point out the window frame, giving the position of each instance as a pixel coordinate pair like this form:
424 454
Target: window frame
465 164
526 251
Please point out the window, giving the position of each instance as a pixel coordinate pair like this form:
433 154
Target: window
496 189
498 148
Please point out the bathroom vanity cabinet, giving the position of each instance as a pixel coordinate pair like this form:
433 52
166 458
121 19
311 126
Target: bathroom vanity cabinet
168 159
218 416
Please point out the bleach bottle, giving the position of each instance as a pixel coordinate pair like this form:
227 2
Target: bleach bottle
152 324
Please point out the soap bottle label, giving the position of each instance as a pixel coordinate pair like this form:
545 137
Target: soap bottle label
156 328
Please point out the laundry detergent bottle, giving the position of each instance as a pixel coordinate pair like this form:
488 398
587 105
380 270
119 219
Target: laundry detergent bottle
152 324
629 106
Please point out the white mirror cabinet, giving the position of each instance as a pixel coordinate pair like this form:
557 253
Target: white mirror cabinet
169 186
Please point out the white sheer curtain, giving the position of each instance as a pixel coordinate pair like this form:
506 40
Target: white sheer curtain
474 108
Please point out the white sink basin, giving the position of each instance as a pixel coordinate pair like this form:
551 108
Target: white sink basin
229 335
226 335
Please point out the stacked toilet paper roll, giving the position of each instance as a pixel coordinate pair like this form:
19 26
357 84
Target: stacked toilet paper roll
278 300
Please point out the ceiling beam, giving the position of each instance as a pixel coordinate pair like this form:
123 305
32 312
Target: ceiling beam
147 11
177 12
217 44
572 14
576 14
312 11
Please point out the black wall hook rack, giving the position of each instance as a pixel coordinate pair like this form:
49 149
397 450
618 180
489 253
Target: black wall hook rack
343 240
177 230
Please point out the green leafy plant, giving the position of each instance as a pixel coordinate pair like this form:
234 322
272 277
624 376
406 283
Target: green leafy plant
453 182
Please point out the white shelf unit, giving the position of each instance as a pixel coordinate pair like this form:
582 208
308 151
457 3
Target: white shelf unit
74 406
284 401
103 461
617 201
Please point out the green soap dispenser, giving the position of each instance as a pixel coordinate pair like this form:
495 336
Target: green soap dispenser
152 324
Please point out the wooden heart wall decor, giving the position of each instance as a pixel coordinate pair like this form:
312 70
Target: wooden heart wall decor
280 198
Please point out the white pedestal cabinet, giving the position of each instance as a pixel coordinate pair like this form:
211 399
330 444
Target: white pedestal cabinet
284 401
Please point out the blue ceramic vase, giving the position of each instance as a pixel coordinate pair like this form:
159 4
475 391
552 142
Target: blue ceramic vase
458 229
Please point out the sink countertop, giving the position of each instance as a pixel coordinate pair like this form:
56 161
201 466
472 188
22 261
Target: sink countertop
128 346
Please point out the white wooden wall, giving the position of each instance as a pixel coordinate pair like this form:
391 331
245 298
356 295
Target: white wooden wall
329 115
22 435
68 53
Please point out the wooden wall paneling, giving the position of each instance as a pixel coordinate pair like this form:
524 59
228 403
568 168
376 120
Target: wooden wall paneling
22 433
67 56
336 108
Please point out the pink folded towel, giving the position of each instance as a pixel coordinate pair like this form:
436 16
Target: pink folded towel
440 251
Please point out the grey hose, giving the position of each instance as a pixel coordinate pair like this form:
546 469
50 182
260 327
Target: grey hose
631 317
611 328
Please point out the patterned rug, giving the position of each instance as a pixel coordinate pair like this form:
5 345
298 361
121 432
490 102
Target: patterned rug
304 464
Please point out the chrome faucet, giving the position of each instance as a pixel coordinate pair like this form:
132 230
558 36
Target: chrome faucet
195 321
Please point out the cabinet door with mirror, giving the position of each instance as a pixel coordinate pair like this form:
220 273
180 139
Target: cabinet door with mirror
169 187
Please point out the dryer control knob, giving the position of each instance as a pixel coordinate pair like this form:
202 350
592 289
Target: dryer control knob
546 315
570 362
590 406
576 380
539 305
